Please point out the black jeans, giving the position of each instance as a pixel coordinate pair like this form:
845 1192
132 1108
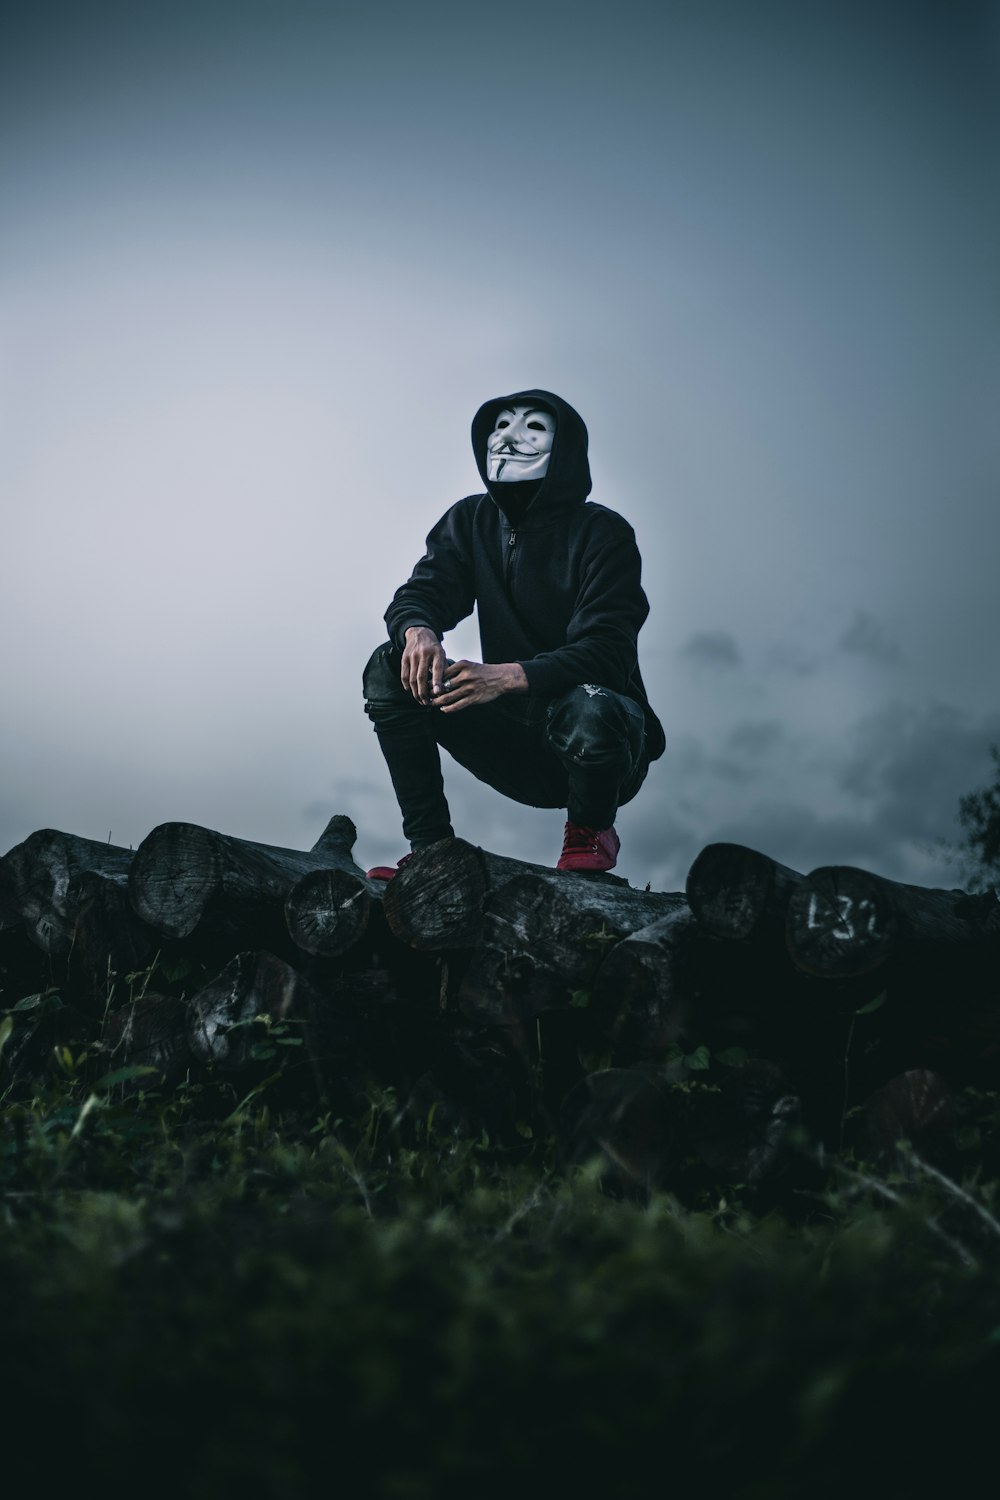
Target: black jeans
585 751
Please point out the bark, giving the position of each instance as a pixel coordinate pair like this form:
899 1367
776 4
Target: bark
150 1032
440 899
436 901
294 1016
645 993
181 871
40 883
652 1134
843 923
737 893
329 912
543 938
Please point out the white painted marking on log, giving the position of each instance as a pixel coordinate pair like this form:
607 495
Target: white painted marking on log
845 906
868 905
845 903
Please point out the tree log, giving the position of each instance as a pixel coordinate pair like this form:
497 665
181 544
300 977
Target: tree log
329 911
440 898
843 923
672 984
223 1029
40 883
645 991
436 901
543 938
737 893
653 1135
150 1032
181 870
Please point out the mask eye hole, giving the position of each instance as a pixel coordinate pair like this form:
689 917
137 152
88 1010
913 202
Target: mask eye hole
537 426
502 424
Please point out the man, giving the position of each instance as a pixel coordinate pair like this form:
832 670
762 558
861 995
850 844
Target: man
556 714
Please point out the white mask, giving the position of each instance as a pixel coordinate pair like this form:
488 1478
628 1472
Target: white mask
520 444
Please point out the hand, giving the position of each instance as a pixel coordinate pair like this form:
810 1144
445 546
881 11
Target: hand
471 682
422 670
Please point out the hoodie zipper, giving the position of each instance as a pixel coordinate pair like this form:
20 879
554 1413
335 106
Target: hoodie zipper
508 557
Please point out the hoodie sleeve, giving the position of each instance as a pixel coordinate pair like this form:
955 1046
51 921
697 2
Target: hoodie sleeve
440 590
610 608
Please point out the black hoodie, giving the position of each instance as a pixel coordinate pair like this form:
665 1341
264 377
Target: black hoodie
558 591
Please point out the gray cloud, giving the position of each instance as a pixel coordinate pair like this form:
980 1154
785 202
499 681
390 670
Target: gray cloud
912 764
750 751
755 738
793 659
712 648
866 636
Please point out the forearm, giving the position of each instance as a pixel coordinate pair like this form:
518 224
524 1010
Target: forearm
514 679
468 683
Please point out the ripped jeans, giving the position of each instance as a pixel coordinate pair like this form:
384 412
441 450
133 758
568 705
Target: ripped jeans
585 751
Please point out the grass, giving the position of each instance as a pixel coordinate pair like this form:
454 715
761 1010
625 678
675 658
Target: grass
225 1288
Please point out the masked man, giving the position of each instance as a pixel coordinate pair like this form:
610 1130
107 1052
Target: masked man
556 714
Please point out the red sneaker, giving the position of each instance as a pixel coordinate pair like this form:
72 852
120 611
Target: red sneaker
589 848
386 872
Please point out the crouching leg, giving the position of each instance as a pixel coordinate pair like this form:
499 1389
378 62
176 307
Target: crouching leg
408 743
600 737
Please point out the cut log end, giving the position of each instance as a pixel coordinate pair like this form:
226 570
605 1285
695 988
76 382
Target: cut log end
174 876
733 890
39 881
841 924
327 912
435 903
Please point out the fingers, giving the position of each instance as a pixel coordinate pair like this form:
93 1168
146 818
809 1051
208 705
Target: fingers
422 670
408 671
431 674
463 687
437 669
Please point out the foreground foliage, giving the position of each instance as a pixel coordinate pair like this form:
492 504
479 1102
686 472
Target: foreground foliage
205 1294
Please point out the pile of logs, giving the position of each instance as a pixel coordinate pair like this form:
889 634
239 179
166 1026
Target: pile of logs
503 991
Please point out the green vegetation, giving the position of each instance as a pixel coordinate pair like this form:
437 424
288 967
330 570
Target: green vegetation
217 1288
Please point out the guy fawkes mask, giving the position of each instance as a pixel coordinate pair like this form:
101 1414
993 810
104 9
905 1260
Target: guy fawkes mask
520 444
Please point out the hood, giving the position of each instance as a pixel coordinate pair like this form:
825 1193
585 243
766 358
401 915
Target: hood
567 482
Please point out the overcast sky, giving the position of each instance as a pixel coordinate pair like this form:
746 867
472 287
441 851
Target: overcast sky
260 262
